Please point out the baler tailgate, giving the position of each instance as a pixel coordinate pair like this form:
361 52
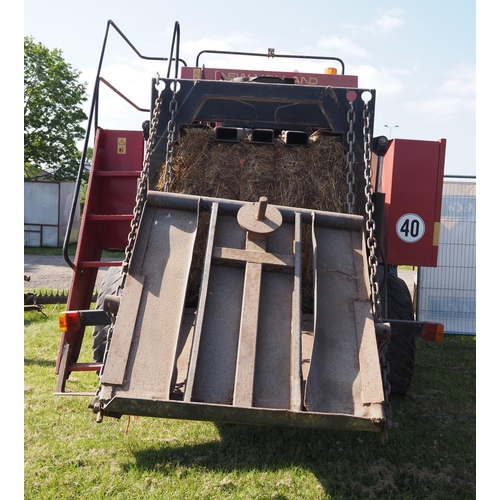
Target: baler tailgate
243 354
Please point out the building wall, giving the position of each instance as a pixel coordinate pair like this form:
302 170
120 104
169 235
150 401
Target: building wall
47 207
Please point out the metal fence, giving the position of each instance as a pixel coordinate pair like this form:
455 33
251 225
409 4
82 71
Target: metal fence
447 293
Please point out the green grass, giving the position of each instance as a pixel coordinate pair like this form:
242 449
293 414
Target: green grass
67 455
71 251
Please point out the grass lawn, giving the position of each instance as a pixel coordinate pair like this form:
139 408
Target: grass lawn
67 455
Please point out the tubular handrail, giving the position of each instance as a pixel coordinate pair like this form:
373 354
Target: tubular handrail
270 54
116 91
94 111
175 37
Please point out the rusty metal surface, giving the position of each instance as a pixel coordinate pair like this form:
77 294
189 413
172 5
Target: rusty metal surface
147 328
246 352
231 207
216 364
192 361
225 413
241 360
247 341
296 345
335 384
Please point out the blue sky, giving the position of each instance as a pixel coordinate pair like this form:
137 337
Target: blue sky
420 57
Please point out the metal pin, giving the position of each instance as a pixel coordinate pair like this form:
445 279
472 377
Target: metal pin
261 210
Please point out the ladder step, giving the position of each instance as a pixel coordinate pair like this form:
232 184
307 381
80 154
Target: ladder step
106 217
117 173
84 367
99 263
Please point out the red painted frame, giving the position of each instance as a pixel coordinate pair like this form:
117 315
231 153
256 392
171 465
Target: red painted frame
105 225
412 180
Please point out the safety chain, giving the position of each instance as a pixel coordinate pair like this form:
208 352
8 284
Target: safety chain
140 198
384 370
351 177
373 261
137 213
167 176
370 222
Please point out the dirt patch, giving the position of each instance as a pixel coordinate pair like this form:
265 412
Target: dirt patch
51 271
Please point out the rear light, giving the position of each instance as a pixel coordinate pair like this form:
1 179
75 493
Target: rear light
433 332
69 321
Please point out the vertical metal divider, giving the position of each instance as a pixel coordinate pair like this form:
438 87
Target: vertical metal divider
249 324
201 303
315 290
296 344
315 268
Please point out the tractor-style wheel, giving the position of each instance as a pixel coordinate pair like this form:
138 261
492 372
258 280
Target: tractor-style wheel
401 349
100 334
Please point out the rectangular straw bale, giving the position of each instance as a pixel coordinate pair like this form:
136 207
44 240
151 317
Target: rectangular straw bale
312 177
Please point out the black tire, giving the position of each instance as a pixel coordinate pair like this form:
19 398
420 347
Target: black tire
100 333
401 349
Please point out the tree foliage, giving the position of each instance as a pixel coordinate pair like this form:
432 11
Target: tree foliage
53 97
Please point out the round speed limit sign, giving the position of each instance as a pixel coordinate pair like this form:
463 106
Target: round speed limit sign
410 228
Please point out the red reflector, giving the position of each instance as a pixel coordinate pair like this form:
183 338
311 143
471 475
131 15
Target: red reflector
433 332
69 321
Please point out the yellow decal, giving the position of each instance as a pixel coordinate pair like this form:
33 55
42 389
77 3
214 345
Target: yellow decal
122 146
435 240
196 73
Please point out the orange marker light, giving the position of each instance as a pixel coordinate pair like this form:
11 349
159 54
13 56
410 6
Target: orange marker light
69 321
331 71
433 332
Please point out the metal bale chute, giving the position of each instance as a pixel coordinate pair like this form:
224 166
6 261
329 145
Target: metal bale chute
240 355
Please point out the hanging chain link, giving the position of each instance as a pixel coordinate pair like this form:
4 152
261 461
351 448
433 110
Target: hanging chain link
373 262
384 370
167 176
140 199
370 222
351 157
142 187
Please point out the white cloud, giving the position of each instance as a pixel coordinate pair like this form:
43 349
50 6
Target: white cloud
342 46
382 80
461 81
235 42
443 108
455 95
388 21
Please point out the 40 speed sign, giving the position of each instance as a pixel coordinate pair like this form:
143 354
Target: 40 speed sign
410 228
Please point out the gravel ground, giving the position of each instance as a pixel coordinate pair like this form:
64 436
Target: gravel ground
48 271
51 271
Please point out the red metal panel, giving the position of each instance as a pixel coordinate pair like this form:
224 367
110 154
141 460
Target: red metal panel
111 193
347 81
117 163
412 180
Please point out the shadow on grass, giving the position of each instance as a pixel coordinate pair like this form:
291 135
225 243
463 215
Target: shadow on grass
246 448
430 455
38 362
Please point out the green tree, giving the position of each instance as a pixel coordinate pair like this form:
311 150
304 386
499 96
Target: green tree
89 154
53 97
